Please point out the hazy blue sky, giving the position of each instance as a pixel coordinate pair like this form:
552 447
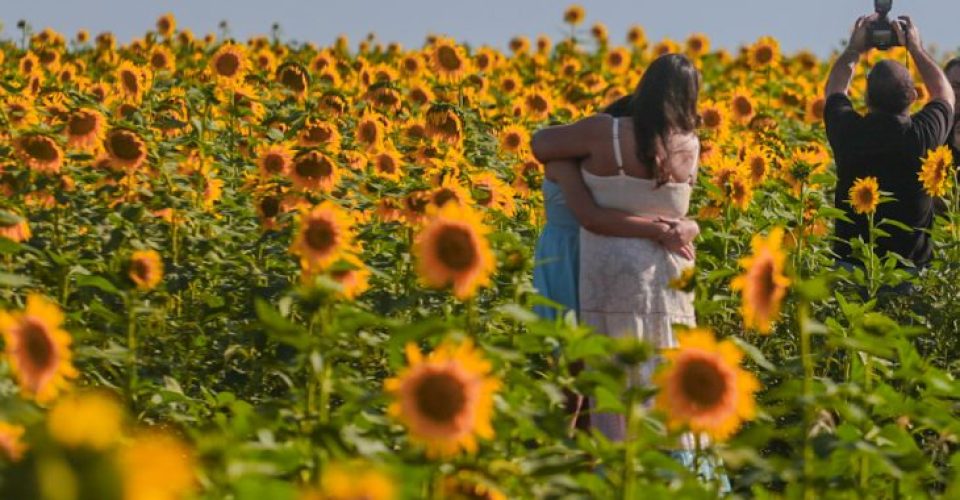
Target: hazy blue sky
818 25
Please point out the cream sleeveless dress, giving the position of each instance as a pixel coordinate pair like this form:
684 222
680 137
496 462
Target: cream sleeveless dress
624 282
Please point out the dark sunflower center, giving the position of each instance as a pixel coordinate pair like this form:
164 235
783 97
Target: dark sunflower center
273 163
513 141
36 344
386 164
440 397
270 207
368 132
449 59
743 106
227 65
764 54
130 81
293 80
318 135
125 146
538 103
766 283
41 149
711 119
443 196
82 124
320 235
455 248
158 60
702 383
314 167
615 59
140 269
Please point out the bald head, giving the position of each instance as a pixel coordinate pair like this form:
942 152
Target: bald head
890 88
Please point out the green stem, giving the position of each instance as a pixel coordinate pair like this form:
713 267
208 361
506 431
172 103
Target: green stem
630 452
807 360
798 262
131 349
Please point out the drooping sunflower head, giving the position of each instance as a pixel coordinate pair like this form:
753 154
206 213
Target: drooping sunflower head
145 269
132 81
443 123
294 78
20 111
40 153
864 196
452 249
370 131
763 284
313 170
85 129
38 349
938 171
703 388
445 399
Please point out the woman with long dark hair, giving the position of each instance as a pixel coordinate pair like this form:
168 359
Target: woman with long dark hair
952 70
645 166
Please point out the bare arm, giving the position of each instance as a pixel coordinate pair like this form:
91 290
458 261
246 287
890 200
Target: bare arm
933 77
567 142
842 71
676 237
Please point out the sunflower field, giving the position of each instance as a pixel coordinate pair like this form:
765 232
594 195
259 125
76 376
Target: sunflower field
274 270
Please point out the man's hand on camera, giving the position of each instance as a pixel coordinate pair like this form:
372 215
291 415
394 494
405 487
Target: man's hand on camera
860 36
907 33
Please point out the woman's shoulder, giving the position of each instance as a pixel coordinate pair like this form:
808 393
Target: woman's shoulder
682 141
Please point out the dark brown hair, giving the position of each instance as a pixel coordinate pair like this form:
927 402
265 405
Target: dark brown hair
890 87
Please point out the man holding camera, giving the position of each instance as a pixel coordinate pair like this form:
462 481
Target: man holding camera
887 142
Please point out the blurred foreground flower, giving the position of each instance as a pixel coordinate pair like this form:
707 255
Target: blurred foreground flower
453 249
763 283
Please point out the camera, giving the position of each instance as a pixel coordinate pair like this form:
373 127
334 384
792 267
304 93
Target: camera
881 34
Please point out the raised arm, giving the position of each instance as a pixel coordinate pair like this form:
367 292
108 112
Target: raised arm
567 142
933 77
674 236
842 71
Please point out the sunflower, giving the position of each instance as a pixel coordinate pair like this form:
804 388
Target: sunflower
938 171
145 269
637 36
865 195
814 110
157 466
325 234
452 249
697 45
464 486
92 419
352 276
702 386
514 139
12 447
449 191
20 111
574 15
370 132
519 45
387 163
321 134
294 78
617 61
445 399
274 159
29 64
419 93
714 116
229 63
14 227
38 349
313 170
664 47
126 149
449 60
764 53
85 129
757 162
763 284
40 153
740 191
742 105
491 192
599 32
537 105
162 59
444 124
166 25
352 480
131 81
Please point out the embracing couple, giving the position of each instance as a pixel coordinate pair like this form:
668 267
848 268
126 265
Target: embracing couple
617 191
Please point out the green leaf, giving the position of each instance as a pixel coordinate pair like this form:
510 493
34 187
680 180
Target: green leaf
279 328
14 280
98 282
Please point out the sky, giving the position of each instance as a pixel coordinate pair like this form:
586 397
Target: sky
817 25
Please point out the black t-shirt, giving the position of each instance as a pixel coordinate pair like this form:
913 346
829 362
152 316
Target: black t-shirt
888 147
